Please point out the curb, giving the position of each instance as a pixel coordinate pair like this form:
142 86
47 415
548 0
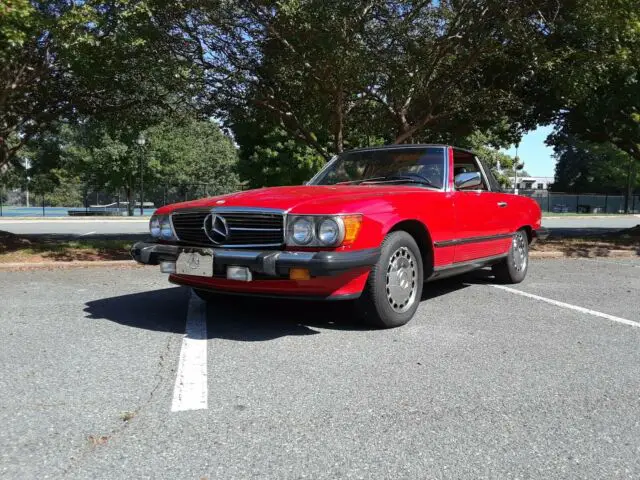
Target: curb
15 220
579 216
590 254
65 265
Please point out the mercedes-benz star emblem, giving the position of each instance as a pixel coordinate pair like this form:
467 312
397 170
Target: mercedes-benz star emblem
215 227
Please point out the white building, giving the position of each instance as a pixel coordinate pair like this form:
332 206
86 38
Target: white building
532 183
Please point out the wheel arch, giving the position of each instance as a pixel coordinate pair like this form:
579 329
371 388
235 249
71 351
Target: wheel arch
421 235
528 230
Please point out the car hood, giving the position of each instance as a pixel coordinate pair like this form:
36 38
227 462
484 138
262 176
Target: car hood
330 199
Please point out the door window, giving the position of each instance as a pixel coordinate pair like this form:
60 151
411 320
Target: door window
465 162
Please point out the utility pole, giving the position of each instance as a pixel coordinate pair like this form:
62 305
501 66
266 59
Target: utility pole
515 171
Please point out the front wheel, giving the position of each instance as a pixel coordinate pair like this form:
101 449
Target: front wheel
394 287
514 267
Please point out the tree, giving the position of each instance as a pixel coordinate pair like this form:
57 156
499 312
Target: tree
409 69
591 82
182 152
177 152
64 60
584 167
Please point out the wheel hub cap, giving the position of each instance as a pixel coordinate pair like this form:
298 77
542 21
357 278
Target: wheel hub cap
401 280
520 251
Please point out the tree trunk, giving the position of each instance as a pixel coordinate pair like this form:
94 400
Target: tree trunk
129 200
631 181
4 155
339 133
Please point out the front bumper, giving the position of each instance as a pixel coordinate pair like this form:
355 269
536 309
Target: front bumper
271 263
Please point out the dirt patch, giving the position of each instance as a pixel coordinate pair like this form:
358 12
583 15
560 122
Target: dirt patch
601 245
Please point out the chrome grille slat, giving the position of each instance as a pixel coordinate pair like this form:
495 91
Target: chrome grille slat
246 229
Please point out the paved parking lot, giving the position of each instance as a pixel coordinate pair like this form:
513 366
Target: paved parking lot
97 380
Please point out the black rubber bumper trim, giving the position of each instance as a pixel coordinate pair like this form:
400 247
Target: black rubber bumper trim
268 262
541 233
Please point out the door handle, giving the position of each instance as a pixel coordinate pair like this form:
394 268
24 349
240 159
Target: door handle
502 204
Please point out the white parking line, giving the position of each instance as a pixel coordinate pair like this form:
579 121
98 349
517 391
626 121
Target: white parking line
85 234
588 311
190 391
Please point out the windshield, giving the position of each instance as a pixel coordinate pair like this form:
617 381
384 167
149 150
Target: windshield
411 165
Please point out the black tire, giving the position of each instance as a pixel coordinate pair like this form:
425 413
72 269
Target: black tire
400 262
513 269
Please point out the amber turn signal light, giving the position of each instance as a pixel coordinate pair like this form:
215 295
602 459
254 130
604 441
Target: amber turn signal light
299 274
352 225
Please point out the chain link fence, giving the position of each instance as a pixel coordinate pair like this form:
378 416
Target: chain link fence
18 202
83 201
558 202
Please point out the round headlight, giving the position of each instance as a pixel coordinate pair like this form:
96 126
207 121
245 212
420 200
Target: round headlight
302 231
165 228
154 227
328 231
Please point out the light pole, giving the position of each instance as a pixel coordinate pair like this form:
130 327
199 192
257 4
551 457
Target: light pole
141 141
27 166
516 161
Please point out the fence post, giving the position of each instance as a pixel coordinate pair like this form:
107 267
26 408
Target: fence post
43 205
1 199
634 204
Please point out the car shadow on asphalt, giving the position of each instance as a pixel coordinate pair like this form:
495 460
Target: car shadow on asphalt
239 318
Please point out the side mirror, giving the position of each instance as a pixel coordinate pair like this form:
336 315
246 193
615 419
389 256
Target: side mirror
469 180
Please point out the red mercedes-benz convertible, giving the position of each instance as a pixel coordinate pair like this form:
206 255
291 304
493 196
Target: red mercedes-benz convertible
372 226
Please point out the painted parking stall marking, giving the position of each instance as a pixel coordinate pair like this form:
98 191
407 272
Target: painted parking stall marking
557 303
190 391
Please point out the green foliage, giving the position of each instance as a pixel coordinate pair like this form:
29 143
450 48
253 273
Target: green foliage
191 151
593 75
331 72
63 59
269 156
176 152
584 167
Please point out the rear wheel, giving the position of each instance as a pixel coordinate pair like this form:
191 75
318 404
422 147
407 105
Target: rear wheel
394 287
514 267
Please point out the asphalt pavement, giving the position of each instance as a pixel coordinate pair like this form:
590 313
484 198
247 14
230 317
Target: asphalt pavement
134 228
536 381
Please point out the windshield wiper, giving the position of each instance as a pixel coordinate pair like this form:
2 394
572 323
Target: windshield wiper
400 179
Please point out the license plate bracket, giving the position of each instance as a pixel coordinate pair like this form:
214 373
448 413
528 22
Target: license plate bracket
198 263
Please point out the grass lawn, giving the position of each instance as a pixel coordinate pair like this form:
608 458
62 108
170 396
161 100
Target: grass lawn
14 248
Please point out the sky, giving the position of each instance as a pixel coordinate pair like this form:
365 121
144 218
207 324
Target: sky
537 157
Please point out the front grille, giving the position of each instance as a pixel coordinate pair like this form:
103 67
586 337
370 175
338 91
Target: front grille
259 229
